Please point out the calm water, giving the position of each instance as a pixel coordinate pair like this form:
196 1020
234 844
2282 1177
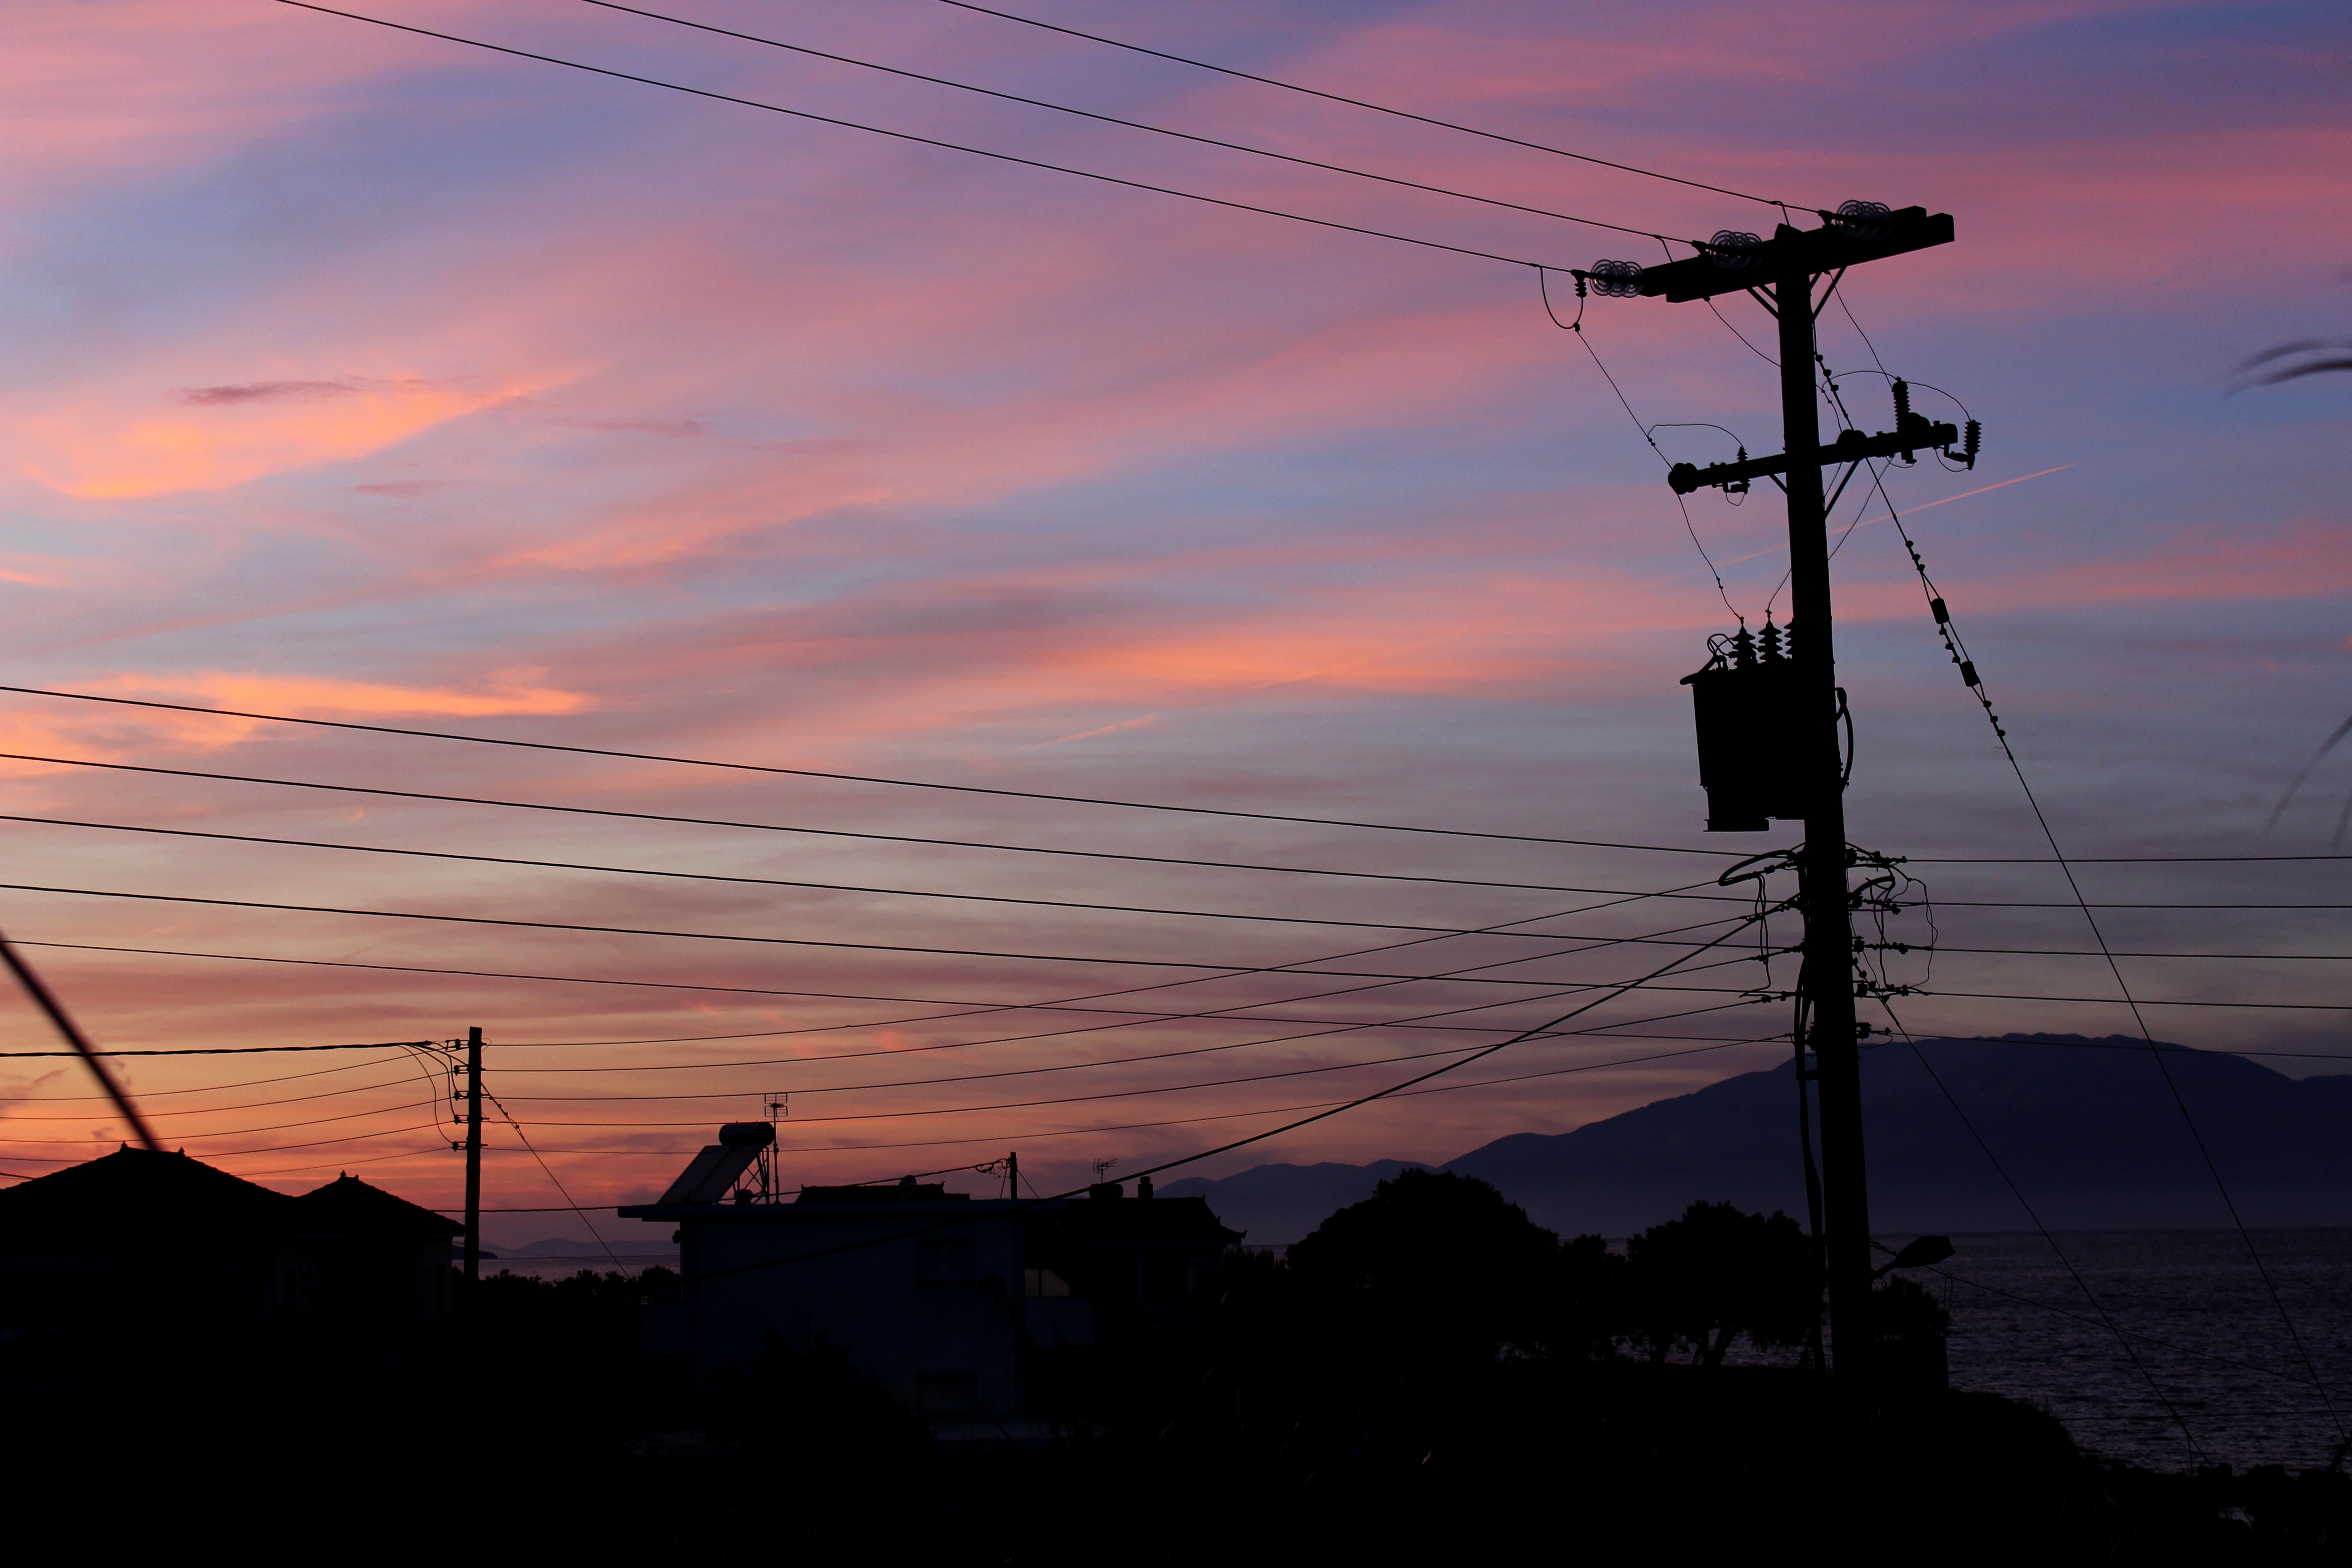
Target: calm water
2226 1366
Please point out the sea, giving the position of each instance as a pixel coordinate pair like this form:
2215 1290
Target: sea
2166 1348
2170 1349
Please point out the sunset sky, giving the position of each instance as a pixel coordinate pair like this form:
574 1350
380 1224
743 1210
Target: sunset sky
361 375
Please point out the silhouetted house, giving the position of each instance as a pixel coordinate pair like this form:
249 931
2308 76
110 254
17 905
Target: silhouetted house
946 1301
139 1240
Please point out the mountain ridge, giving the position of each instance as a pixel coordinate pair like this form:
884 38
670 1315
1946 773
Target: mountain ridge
2087 1128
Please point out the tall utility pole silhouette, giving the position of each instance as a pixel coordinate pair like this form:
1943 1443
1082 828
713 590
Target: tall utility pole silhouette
1780 273
473 1156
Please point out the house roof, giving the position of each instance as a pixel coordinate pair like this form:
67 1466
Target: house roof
1144 1222
349 1207
142 1191
906 1192
135 1189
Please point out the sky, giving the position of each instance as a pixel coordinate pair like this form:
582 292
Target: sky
362 376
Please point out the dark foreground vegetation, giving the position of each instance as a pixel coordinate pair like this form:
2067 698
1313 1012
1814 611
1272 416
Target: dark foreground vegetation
1430 1378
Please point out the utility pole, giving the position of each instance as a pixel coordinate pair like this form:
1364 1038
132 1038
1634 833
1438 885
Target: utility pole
473 1159
1780 273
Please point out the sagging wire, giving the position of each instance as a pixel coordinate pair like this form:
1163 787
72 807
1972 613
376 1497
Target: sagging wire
557 1181
1957 647
1577 326
2122 1340
1731 497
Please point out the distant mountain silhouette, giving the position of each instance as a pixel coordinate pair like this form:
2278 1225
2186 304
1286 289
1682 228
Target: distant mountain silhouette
2086 1127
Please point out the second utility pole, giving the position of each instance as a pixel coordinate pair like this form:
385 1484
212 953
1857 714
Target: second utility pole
473 1158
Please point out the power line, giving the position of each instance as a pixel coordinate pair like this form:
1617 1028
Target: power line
2120 952
548 1170
1066 1004
803 773
2111 860
2031 1213
2147 1002
725 936
1958 648
1114 119
223 1050
1360 103
155 1094
1319 1027
2120 1332
935 142
716 877
1033 1136
1318 1034
197 1110
617 814
237 1132
1343 1107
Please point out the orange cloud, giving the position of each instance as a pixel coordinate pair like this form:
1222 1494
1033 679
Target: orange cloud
218 437
304 695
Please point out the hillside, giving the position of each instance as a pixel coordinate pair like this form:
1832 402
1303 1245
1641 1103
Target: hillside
2086 1129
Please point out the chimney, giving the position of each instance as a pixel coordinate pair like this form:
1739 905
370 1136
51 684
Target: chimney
1143 1186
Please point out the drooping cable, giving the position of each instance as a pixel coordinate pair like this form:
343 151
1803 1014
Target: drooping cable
1110 119
718 876
1363 103
1340 1109
580 1214
2033 1214
1958 650
927 141
512 742
1649 439
608 811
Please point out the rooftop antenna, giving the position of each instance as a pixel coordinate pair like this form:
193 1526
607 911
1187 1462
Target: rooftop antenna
774 1108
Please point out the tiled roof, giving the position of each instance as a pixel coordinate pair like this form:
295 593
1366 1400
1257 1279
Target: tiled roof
137 1191
349 1207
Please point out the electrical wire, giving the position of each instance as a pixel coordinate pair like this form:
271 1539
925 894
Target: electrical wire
198 1110
1361 103
738 881
1339 1109
154 1094
2145 1001
577 1211
2164 1069
1066 1004
1138 1126
233 1132
968 1008
2050 1241
796 942
1690 528
933 141
2121 1332
516 743
1319 1033
616 815
1111 119
1185 1087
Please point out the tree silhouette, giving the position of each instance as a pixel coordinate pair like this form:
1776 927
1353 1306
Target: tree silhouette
1719 1272
1433 1266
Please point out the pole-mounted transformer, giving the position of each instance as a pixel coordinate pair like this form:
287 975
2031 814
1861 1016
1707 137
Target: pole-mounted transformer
1746 703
